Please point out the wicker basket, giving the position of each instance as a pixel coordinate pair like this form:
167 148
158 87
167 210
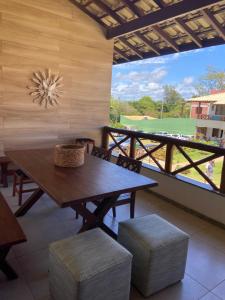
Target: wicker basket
68 156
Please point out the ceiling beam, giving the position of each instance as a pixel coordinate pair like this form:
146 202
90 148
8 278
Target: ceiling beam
133 8
136 51
186 47
121 53
147 42
170 12
213 22
160 3
166 38
109 11
188 31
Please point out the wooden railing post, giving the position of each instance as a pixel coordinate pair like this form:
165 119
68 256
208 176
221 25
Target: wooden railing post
105 138
169 158
222 183
133 147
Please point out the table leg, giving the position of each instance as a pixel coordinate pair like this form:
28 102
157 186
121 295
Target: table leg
5 267
29 203
96 219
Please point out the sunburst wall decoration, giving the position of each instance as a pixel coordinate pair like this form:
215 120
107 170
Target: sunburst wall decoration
46 88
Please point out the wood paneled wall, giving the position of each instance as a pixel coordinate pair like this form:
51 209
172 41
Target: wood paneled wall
36 35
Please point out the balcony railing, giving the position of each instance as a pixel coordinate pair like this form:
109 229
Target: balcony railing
211 117
136 145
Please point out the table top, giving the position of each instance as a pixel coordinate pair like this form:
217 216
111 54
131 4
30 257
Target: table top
94 180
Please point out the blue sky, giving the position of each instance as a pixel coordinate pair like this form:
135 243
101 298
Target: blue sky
146 77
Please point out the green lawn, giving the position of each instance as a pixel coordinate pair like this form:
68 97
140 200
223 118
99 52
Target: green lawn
170 125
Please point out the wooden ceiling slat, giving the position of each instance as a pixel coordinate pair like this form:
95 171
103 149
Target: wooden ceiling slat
136 51
166 37
133 7
86 11
188 31
109 11
213 22
182 48
170 12
121 53
147 42
129 16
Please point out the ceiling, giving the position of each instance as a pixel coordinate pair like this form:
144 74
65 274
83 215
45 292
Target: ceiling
150 28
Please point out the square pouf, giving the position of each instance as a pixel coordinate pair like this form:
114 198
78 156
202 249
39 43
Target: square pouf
89 266
159 252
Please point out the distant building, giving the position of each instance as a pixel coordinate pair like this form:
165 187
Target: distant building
209 112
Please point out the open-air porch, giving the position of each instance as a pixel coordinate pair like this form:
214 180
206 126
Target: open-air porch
46 223
70 46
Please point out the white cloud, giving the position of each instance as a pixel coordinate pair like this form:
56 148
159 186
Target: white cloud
135 84
147 77
139 84
156 74
121 87
188 80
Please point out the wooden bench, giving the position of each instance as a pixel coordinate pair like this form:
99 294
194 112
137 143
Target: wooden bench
11 233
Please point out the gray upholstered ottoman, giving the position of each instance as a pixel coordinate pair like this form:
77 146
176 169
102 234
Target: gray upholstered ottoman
89 266
159 252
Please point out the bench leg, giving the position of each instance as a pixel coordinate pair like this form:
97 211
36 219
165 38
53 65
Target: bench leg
8 270
5 267
14 184
132 205
4 179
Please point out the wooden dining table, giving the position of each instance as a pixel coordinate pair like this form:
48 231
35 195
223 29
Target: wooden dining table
97 179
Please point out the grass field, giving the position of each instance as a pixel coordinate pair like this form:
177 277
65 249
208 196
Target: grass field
170 125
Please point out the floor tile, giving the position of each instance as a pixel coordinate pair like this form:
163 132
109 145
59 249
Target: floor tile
34 268
15 290
220 290
187 289
184 220
212 235
210 296
205 264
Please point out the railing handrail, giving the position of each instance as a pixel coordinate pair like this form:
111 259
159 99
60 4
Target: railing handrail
166 139
167 143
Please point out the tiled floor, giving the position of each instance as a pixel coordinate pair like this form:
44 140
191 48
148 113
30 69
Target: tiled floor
45 222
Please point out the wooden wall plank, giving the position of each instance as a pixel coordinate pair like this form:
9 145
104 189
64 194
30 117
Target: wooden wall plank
36 35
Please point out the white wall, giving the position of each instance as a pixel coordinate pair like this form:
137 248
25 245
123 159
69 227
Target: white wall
205 202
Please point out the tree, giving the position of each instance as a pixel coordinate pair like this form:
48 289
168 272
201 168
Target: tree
118 108
173 104
145 106
171 96
213 79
